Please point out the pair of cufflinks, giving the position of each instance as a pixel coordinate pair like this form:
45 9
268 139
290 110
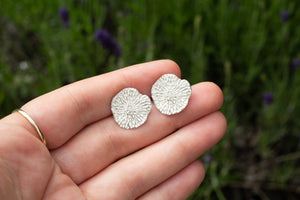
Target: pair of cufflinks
170 95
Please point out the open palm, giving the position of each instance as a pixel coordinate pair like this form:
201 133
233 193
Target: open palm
88 156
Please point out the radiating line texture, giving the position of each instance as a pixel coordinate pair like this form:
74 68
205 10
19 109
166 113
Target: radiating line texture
130 108
171 94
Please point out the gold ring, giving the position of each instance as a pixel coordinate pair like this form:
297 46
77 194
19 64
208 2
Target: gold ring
30 120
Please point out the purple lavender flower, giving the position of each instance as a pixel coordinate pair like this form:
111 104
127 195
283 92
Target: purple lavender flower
108 42
285 15
207 159
64 16
295 63
268 98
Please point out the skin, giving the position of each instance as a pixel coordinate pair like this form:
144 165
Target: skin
88 156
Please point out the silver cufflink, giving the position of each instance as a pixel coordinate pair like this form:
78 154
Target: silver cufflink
130 108
171 94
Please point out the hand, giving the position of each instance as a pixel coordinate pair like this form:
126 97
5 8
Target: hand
88 156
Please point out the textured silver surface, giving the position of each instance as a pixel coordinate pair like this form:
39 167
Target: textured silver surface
130 108
171 94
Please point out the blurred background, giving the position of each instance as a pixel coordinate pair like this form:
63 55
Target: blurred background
251 49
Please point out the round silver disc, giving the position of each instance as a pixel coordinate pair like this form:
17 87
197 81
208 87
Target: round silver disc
171 94
130 108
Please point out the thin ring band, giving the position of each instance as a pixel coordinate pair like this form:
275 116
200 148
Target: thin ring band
30 120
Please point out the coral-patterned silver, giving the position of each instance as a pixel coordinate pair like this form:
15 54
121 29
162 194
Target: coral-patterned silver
171 94
130 108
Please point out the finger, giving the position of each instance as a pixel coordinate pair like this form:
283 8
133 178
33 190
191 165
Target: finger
62 113
147 168
25 160
108 142
180 186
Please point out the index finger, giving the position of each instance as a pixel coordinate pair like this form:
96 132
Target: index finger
62 113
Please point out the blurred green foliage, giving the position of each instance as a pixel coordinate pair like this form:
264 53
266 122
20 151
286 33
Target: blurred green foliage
243 46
